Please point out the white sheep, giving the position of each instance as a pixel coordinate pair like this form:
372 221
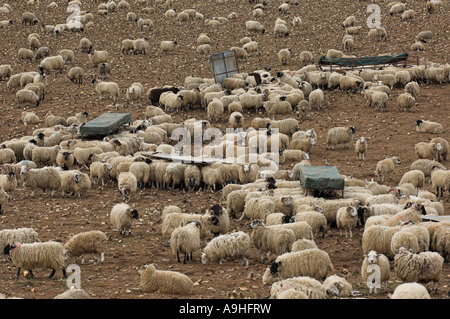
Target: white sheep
43 178
168 46
346 218
386 167
37 255
406 102
171 282
424 150
122 217
90 242
361 148
185 240
410 290
27 97
337 286
380 260
233 245
24 235
422 267
312 262
424 126
96 56
415 177
440 180
315 219
316 98
442 154
339 135
254 27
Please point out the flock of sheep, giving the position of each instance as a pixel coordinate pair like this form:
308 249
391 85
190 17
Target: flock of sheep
283 221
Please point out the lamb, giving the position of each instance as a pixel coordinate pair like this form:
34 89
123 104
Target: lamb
107 88
311 262
140 46
380 260
37 255
315 219
96 56
134 93
22 235
296 22
361 148
26 96
269 239
127 185
281 30
76 75
233 245
424 150
90 242
104 69
204 49
337 286
122 217
305 58
424 126
168 46
44 178
386 167
316 98
346 218
85 45
5 71
339 135
170 282
412 214
411 290
422 267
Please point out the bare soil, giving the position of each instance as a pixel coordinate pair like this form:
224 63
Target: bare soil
390 133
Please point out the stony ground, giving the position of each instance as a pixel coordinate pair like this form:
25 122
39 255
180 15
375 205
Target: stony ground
390 133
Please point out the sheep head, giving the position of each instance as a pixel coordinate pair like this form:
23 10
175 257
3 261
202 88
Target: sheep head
132 213
352 211
274 267
372 257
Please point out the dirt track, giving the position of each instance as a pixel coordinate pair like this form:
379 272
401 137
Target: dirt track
391 133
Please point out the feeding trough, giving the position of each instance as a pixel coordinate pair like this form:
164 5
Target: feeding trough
105 124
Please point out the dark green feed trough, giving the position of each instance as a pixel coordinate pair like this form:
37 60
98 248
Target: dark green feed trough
321 178
364 61
105 124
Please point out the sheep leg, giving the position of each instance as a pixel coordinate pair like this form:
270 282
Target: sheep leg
64 272
261 258
102 257
52 274
18 272
178 255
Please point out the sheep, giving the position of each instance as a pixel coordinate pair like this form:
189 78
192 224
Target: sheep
442 154
311 262
148 23
6 71
281 30
75 182
104 69
122 217
248 173
421 267
315 219
26 96
302 244
134 93
44 178
185 239
251 47
107 88
349 22
168 46
73 293
76 75
305 58
378 238
440 241
23 235
67 55
346 218
29 18
316 98
302 287
30 118
339 135
203 39
412 214
52 63
424 126
415 177
286 126
440 180
417 46
100 170
347 83
386 167
406 102
254 27
233 245
258 208
404 239
173 220
337 286
140 46
90 242
361 148
83 156
37 255
412 88
348 43
127 185
379 33
397 8
269 239
7 155
96 56
424 36
411 290
424 150
170 282
380 260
